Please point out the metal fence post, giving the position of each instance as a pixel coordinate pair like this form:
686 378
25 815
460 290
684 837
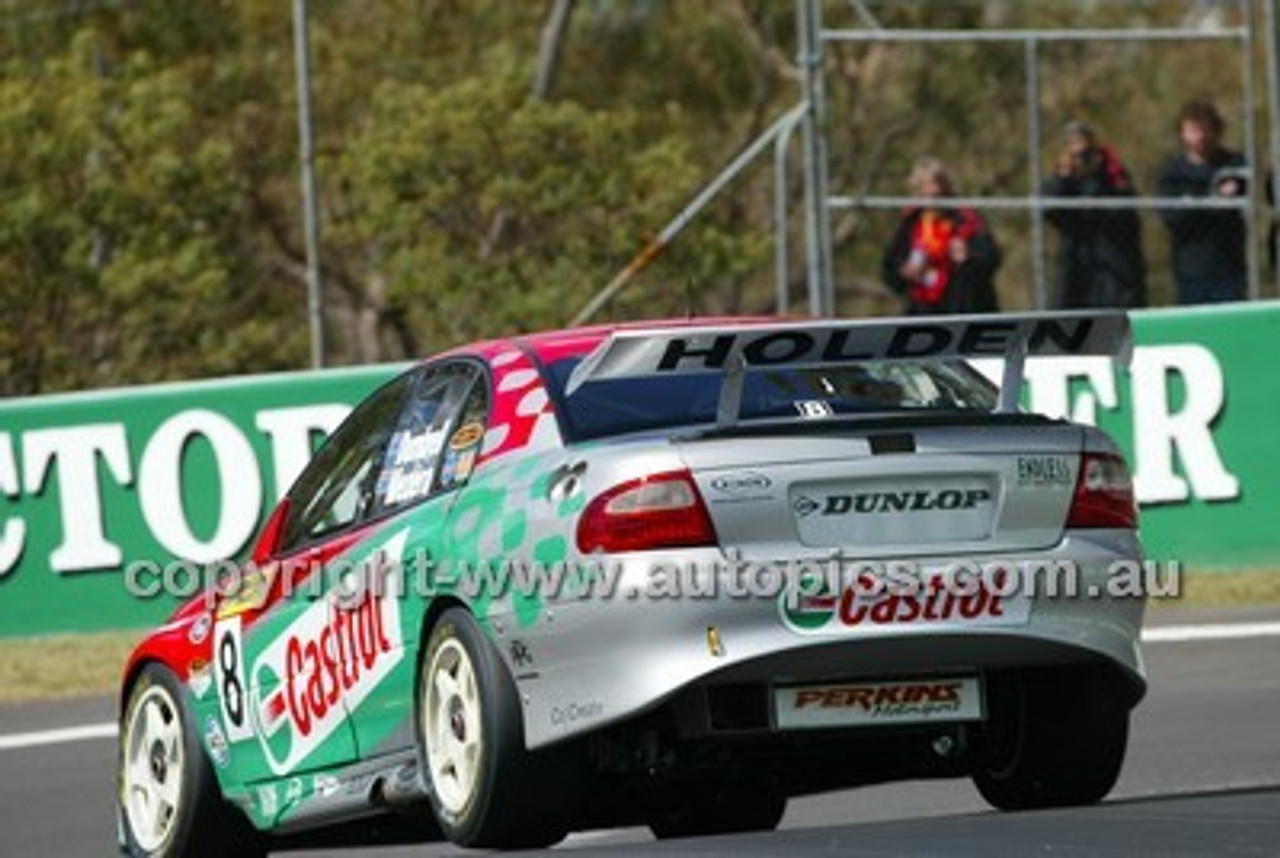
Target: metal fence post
1252 191
782 241
310 216
1031 58
815 192
1271 37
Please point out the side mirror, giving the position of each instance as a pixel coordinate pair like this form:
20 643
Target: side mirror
269 541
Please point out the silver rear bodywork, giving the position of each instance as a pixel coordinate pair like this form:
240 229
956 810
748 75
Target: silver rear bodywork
598 661
922 492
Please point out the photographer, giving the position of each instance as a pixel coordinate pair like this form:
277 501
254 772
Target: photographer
1100 258
1208 244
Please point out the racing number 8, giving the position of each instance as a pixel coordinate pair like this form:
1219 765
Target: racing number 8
232 688
231 678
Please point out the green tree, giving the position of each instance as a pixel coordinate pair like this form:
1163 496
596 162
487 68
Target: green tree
148 150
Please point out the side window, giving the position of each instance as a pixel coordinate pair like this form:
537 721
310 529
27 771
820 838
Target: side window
429 451
414 450
336 488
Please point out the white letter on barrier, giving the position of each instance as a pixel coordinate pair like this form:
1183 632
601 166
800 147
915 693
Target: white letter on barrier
13 534
1049 385
290 432
76 448
160 486
1157 432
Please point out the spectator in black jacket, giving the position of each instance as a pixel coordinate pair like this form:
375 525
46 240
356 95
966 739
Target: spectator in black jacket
941 259
1100 259
1208 244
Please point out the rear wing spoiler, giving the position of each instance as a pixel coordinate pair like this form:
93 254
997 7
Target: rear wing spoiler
732 349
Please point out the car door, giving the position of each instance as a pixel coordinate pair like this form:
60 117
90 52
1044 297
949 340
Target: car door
429 457
277 664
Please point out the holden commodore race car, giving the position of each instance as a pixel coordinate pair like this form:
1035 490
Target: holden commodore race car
670 574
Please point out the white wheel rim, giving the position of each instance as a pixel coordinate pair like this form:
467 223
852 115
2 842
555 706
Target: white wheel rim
153 762
451 725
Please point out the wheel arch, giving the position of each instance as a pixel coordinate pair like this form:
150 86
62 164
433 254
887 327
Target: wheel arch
430 617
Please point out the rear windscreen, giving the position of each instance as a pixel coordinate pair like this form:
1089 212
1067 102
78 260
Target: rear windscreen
622 405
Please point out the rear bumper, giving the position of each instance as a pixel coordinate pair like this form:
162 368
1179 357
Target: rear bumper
593 663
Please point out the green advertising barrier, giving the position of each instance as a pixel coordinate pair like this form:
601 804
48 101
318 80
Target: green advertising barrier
1198 415
90 483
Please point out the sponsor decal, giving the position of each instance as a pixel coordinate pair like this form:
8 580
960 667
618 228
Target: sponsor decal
457 466
293 792
818 345
741 488
199 631
360 784
748 483
520 655
405 481
879 702
412 460
871 605
409 448
467 436
1044 471
570 713
917 500
804 506
216 741
876 698
813 409
251 591
466 464
325 786
324 665
268 801
199 677
460 457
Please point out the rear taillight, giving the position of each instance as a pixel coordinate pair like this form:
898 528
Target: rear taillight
1104 493
658 511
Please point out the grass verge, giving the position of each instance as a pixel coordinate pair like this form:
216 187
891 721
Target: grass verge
71 665
1225 588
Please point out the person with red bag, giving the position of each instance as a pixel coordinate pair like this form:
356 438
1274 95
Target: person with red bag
942 258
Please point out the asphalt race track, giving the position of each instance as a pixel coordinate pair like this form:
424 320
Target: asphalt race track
1202 778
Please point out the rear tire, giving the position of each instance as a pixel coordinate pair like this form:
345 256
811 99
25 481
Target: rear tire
1064 746
486 789
703 814
169 802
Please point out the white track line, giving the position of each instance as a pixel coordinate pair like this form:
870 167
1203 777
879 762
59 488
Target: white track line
1210 632
1158 634
106 730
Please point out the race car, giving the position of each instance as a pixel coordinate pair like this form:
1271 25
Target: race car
670 574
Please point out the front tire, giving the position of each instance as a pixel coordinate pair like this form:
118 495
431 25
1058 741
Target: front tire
1064 747
169 802
486 789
